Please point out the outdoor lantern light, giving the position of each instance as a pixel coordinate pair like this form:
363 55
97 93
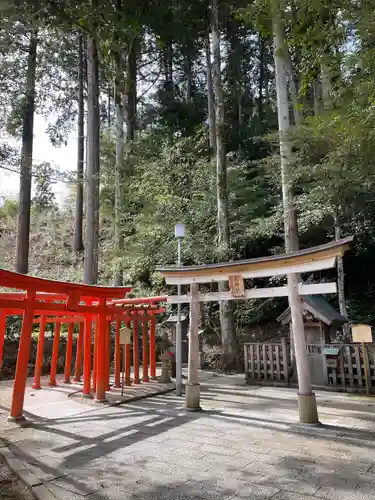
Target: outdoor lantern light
179 230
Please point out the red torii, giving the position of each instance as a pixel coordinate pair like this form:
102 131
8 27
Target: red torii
62 302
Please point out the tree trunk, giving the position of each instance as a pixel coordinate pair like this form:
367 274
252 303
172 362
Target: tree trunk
261 78
234 81
326 85
317 97
290 217
109 107
119 167
125 110
23 234
131 92
210 97
93 163
78 223
293 87
168 82
341 278
229 343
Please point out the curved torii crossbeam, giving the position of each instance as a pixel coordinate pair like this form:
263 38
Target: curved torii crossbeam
63 302
290 265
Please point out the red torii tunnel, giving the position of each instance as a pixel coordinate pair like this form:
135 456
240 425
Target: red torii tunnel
93 308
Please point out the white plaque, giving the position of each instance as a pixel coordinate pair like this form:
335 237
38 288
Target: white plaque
125 335
361 333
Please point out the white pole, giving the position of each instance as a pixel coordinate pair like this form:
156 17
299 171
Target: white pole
308 412
304 385
178 332
192 399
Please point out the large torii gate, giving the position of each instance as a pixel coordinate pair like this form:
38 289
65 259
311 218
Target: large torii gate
307 260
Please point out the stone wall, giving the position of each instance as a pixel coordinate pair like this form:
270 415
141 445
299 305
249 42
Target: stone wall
8 368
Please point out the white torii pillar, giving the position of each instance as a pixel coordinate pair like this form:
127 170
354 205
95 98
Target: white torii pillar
308 412
192 400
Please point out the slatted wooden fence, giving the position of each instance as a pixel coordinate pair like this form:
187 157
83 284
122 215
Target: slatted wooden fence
350 371
267 362
271 362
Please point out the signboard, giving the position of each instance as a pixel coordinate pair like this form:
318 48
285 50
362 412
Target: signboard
331 351
125 335
361 333
236 285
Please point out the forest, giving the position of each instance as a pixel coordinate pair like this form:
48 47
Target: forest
251 122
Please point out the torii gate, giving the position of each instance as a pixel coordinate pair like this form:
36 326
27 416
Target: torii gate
44 301
307 260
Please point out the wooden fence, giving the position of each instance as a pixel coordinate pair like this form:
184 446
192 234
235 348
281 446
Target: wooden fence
350 371
267 362
271 362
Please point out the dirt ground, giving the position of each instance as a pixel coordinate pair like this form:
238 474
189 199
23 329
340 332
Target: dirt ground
10 487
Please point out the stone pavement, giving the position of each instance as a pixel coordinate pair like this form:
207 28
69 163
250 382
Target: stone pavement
11 487
55 397
246 444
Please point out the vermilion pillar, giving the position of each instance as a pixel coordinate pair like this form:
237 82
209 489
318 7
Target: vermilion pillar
152 348
145 349
39 353
3 326
135 351
23 359
117 355
127 360
108 354
68 354
95 357
102 377
87 357
55 354
77 375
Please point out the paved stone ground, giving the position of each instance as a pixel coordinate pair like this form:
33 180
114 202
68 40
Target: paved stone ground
10 486
247 444
36 400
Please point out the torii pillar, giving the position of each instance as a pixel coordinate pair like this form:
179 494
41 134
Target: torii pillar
192 401
308 412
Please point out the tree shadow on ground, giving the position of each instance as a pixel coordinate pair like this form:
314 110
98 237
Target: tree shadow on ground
96 464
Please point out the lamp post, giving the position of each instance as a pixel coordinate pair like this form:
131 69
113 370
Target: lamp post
179 233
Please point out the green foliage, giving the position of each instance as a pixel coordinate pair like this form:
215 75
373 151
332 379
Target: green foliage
44 196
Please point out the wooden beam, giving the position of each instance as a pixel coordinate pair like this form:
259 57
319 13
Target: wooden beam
315 265
257 293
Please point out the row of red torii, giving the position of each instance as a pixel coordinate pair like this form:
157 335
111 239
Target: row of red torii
93 308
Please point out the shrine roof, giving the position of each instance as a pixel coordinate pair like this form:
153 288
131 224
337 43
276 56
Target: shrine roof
320 308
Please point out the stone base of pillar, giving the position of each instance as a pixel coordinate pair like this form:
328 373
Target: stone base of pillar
87 396
16 420
192 397
154 378
308 412
101 400
66 381
164 379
